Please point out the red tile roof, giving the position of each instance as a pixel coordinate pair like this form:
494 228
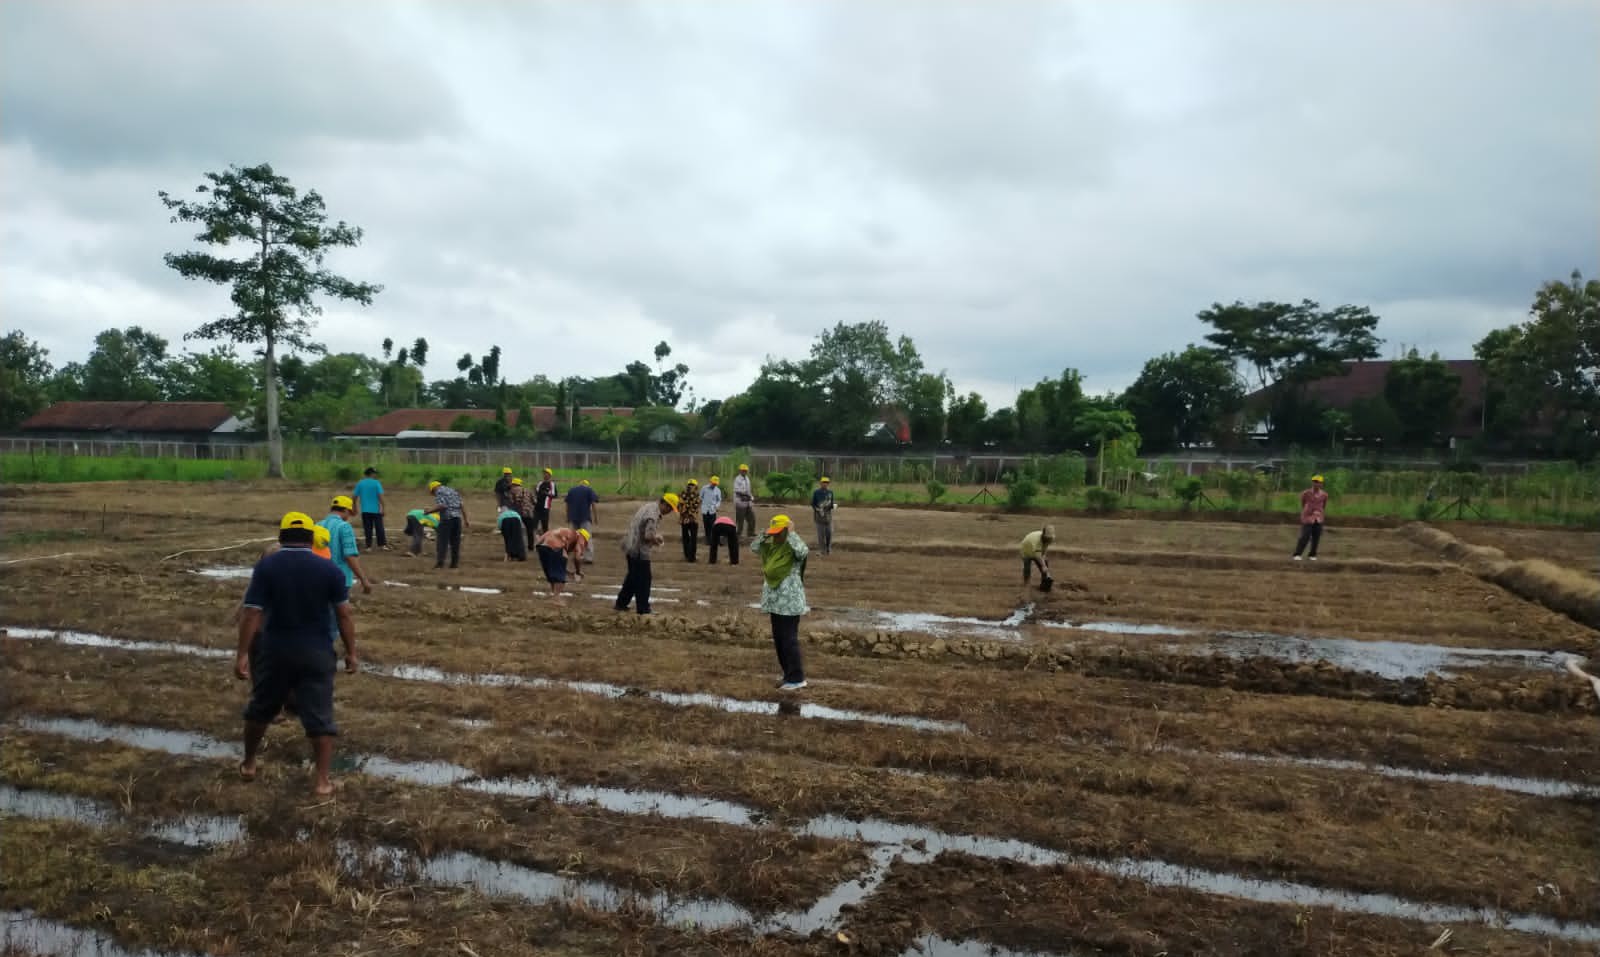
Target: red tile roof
440 420
129 417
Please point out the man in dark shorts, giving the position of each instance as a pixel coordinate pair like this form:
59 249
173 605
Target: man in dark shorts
582 513
295 599
555 547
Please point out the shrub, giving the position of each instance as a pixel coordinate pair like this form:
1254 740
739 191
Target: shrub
936 491
1188 490
345 473
1102 500
779 486
1021 492
1239 485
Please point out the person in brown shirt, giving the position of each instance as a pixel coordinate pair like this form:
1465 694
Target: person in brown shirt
1313 509
520 499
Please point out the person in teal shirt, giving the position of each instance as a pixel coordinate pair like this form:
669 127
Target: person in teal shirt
345 553
369 502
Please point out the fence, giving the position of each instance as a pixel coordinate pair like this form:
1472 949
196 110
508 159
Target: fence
908 466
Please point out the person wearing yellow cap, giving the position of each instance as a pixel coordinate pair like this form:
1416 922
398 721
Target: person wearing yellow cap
555 547
710 502
689 519
346 554
583 512
544 498
783 595
822 514
418 524
520 500
502 486
642 535
452 512
1313 511
744 503
296 601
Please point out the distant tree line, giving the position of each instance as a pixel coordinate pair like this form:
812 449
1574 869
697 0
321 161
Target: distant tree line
859 385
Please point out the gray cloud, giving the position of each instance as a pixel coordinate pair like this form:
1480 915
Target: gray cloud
1020 188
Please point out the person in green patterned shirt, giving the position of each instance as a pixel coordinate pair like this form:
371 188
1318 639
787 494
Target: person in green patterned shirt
783 595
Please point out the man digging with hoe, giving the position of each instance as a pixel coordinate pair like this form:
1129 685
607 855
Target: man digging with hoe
295 599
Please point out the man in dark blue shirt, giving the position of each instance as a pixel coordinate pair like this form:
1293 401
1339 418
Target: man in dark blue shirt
295 599
583 515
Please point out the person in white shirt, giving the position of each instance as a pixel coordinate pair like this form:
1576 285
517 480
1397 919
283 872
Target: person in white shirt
710 501
744 504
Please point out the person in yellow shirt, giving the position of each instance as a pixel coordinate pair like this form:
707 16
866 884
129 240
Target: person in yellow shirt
1035 545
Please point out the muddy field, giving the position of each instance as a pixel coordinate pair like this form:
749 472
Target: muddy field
1192 745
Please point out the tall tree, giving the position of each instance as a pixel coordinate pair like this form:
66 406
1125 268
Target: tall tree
1424 395
1104 426
853 357
24 373
126 365
1288 345
1549 367
964 420
1182 398
215 376
283 237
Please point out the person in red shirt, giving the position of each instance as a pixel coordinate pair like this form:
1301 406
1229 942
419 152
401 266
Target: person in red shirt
1313 509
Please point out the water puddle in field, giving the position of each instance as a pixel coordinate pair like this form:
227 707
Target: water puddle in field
892 840
1397 660
227 572
149 739
190 830
936 946
653 599
492 680
1538 787
27 933
1157 873
927 623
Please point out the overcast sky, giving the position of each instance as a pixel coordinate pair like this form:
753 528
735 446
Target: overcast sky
1020 187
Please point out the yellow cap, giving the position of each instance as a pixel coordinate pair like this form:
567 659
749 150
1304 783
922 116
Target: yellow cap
321 537
343 501
1316 478
585 533
506 470
516 481
715 480
779 523
670 499
694 481
744 468
825 480
296 520
548 472
433 485
584 482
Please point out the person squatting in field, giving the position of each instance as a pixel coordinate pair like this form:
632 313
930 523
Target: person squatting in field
513 533
689 519
555 548
783 595
1313 511
452 512
724 532
642 535
1035 548
418 524
295 601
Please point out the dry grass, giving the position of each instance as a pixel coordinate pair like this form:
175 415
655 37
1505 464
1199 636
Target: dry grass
1557 587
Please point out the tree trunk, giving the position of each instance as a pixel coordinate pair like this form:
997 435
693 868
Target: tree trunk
274 434
619 459
1102 481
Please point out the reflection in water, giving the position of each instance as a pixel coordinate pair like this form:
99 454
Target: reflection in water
23 932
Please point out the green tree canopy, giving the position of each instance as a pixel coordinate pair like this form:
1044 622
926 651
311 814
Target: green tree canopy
279 238
24 377
1425 396
1183 398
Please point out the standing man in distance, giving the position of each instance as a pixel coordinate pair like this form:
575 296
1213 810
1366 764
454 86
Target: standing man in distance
520 499
502 488
544 499
710 501
1313 511
822 515
689 519
452 512
371 504
296 600
642 535
342 546
583 514
744 503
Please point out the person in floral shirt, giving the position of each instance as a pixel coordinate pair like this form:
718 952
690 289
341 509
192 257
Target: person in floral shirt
689 517
783 595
